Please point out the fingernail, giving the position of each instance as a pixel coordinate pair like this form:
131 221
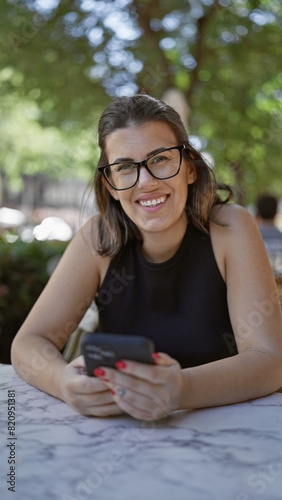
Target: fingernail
156 355
99 372
120 365
113 392
105 380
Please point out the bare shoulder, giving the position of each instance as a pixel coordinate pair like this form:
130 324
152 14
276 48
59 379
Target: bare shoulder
83 249
88 233
87 237
238 243
232 217
236 238
235 228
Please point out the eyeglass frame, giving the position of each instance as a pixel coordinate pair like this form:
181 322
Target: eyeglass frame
144 163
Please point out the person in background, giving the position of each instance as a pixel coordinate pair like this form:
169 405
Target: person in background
272 237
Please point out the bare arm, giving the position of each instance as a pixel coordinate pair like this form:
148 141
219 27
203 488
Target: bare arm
36 348
255 314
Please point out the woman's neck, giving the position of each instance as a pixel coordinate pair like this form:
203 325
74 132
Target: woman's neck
160 246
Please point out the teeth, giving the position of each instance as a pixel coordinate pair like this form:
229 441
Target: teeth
152 203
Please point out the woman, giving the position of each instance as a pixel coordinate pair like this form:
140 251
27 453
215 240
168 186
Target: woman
165 258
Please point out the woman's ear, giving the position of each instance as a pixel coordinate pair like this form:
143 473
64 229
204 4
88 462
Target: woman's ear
112 191
191 173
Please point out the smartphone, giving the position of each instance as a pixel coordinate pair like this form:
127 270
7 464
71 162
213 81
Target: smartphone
104 349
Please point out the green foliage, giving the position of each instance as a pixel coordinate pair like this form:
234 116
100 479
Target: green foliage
65 60
24 271
28 147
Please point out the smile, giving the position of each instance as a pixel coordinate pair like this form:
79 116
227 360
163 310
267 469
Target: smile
152 203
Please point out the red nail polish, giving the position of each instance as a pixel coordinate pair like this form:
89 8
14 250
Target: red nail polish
120 365
105 380
156 355
99 372
113 392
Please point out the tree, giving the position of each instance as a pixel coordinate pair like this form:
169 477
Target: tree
72 57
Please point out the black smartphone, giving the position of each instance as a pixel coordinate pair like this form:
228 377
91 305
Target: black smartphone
104 349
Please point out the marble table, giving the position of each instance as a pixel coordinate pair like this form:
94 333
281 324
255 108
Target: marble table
227 453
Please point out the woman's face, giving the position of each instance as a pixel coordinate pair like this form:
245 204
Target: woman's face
137 143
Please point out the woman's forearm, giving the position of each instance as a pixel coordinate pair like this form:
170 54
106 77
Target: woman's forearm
39 363
248 375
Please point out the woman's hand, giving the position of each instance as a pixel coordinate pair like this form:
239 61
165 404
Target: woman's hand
87 395
146 392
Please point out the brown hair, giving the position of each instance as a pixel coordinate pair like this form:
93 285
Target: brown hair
267 206
115 228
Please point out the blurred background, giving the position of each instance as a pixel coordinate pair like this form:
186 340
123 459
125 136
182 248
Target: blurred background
218 62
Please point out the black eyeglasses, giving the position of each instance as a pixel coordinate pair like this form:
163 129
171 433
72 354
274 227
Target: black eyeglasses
162 165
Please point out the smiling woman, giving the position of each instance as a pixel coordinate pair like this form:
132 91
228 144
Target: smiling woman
153 197
129 130
165 258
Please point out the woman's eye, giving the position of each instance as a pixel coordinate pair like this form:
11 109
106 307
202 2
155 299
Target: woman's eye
158 159
125 167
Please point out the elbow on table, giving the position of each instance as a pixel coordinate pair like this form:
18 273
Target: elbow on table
275 371
15 352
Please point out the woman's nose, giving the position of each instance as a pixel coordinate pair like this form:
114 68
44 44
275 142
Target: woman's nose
145 178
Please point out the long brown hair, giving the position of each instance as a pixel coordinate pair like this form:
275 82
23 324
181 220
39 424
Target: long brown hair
115 228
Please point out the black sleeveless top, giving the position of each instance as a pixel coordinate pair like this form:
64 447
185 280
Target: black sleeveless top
180 304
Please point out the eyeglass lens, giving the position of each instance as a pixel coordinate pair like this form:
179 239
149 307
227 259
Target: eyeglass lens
162 166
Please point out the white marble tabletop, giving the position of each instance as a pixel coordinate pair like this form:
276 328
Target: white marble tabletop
227 453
